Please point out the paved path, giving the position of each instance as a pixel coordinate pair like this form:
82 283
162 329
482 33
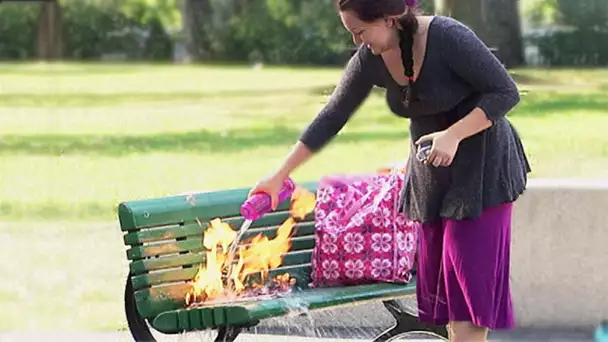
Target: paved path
518 336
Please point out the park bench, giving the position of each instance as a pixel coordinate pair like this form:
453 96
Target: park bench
163 238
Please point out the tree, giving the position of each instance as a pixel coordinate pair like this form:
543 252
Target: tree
496 22
196 16
49 40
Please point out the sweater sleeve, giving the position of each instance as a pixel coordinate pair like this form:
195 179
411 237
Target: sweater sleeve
469 58
352 89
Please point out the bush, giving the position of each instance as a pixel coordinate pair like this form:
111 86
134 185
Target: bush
577 48
91 31
18 31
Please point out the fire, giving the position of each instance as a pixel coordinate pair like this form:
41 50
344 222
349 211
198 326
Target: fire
259 255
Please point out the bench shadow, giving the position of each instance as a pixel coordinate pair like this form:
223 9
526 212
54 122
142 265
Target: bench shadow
201 141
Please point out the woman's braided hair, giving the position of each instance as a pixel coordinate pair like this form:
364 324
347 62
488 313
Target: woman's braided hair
371 10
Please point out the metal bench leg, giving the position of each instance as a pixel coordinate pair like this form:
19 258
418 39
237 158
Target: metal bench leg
227 334
137 325
406 323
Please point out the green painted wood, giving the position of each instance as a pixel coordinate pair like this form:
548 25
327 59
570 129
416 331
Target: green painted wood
165 233
196 229
299 243
187 208
300 230
253 312
272 219
142 266
167 276
173 322
152 301
166 219
315 299
171 261
297 262
194 244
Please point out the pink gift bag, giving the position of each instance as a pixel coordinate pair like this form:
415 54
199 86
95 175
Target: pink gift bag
360 235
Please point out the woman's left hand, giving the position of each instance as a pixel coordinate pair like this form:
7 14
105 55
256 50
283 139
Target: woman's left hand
443 150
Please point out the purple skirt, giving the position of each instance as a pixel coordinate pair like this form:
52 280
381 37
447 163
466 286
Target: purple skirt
463 270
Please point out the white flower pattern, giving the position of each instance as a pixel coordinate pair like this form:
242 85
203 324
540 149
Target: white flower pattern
381 242
353 243
329 244
381 268
382 217
330 269
354 269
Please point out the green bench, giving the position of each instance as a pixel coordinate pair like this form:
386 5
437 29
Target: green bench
163 237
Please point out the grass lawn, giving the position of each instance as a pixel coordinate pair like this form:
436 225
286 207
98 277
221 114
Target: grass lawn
76 139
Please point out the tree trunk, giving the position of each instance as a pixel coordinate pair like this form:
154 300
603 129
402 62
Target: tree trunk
504 31
496 22
49 40
196 16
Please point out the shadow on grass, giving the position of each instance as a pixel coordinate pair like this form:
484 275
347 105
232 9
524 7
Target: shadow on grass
546 103
522 78
203 141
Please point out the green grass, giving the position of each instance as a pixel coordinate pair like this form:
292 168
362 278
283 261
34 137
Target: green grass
76 139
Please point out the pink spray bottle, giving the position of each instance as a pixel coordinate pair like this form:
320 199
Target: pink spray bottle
259 204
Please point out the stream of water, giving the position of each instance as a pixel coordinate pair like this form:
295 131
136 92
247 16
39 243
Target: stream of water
232 251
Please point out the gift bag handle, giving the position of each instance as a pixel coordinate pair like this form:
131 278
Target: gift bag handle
355 207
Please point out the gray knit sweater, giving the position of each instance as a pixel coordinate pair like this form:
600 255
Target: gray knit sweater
459 73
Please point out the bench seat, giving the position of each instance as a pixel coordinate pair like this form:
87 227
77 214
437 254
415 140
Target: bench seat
176 321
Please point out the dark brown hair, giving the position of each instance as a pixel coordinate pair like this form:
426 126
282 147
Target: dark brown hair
371 10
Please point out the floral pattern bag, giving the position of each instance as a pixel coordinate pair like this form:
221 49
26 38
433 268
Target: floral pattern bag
360 236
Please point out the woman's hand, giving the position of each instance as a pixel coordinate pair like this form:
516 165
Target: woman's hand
270 185
443 150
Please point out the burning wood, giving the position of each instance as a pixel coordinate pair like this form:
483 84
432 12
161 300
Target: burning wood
249 279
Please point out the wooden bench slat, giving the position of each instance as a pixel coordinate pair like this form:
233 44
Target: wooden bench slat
141 266
140 281
156 212
165 233
252 312
194 244
300 230
168 261
272 219
195 229
152 301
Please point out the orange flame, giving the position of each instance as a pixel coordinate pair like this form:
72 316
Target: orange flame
259 255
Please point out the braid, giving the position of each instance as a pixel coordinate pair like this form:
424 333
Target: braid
409 25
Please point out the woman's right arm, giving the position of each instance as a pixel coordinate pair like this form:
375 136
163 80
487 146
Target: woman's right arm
354 87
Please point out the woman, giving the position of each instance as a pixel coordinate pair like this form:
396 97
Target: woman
437 73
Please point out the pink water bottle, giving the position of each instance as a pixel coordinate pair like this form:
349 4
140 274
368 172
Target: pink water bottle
259 204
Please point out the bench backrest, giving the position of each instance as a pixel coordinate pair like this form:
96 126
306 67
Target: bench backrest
164 239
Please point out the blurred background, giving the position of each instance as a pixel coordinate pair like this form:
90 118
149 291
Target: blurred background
103 101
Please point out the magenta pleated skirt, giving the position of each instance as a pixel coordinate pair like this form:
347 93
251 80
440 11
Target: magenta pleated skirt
463 270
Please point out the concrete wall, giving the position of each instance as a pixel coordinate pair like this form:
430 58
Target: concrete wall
559 263
559 255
